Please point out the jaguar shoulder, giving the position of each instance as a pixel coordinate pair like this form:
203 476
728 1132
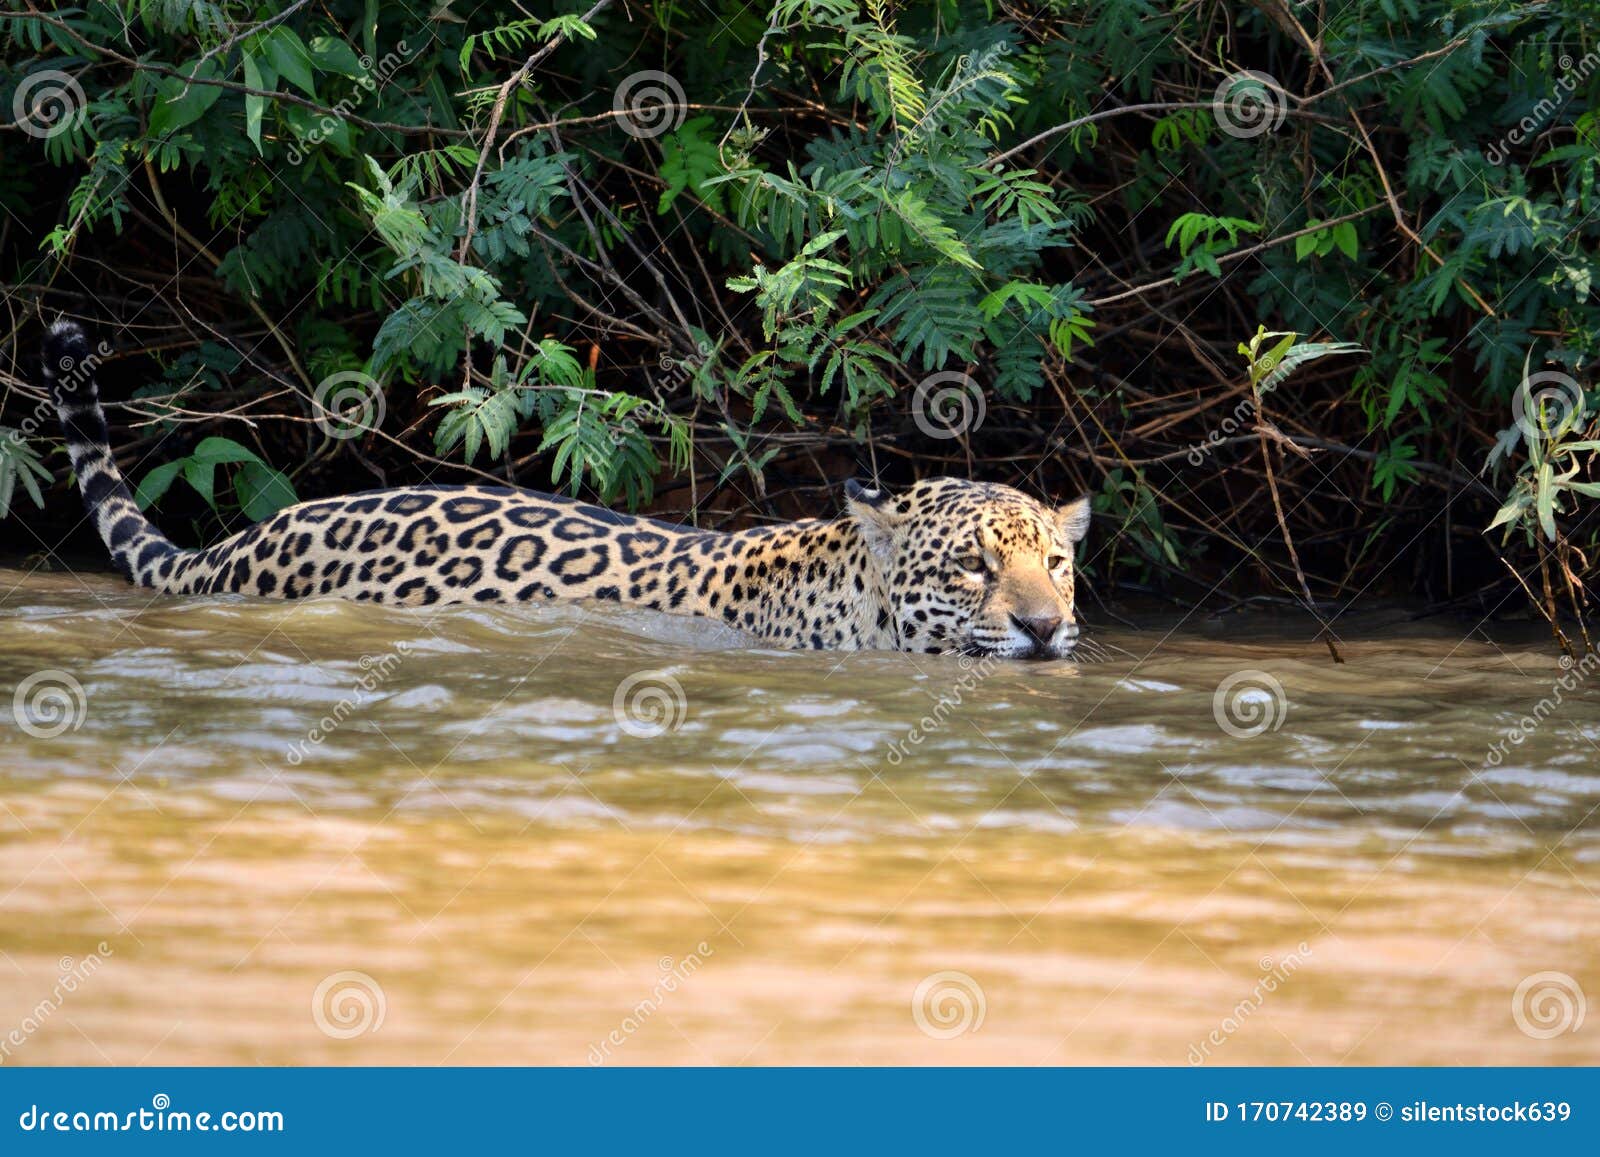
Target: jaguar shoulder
946 565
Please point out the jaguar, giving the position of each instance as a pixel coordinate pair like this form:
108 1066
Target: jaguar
945 565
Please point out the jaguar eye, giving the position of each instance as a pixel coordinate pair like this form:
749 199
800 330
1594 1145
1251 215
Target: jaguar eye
1056 561
972 564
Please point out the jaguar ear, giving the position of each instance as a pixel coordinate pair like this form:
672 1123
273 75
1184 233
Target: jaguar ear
1073 519
874 515
857 491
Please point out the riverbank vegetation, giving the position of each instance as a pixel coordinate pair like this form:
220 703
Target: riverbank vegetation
1303 295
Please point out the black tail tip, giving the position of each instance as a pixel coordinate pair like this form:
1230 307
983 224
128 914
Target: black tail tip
66 350
69 364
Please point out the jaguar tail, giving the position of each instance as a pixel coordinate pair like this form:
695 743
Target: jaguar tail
138 549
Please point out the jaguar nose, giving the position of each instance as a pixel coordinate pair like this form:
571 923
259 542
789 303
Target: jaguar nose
1041 628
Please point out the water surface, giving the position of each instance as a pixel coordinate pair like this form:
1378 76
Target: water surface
333 832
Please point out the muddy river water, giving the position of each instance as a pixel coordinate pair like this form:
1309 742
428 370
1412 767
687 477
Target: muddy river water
326 832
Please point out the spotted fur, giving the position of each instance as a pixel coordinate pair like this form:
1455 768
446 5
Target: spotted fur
948 565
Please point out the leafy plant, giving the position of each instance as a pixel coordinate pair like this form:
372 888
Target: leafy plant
258 489
1201 239
1557 471
1271 356
20 464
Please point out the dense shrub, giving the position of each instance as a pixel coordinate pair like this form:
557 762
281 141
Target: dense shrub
710 258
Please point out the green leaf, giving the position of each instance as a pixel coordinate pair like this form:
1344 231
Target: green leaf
19 462
1509 513
217 450
156 483
1074 329
689 160
1544 491
1344 237
1025 294
262 491
311 126
198 470
201 475
330 54
174 109
1394 467
1281 362
478 416
289 56
254 105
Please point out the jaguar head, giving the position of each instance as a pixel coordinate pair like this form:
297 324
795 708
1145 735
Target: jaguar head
974 567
